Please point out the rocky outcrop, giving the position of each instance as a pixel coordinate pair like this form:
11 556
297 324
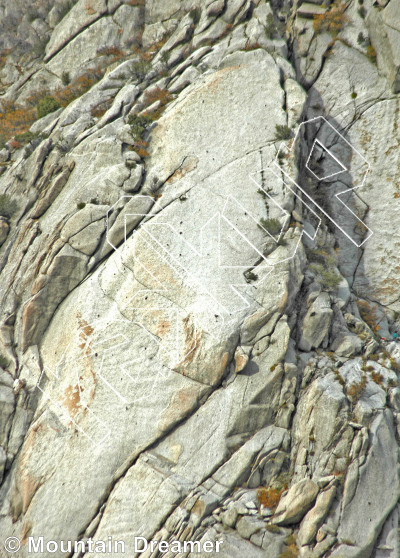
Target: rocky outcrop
199 271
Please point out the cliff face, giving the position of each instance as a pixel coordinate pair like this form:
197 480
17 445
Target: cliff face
199 260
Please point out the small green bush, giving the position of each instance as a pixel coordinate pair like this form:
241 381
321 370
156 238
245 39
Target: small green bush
140 69
26 137
273 226
139 125
271 29
362 12
321 256
4 362
165 57
81 205
195 14
371 54
361 40
274 29
326 277
65 78
46 105
282 132
8 206
250 276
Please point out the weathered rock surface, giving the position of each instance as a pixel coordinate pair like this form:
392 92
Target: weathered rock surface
196 300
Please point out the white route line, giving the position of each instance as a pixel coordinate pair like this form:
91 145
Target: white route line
90 349
347 191
331 155
145 233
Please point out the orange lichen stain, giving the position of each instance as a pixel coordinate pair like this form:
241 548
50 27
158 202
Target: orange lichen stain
186 167
192 341
85 332
163 328
27 484
224 363
213 85
89 377
182 404
72 400
25 532
89 8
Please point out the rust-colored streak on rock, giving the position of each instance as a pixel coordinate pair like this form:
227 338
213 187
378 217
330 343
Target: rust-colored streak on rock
72 400
163 328
182 404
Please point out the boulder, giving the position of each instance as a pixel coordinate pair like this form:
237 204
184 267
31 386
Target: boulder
296 502
316 323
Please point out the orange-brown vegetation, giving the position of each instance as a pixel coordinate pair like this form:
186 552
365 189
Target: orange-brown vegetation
15 119
355 391
111 51
3 56
269 497
102 108
368 314
291 550
78 87
371 53
377 377
140 148
331 21
157 94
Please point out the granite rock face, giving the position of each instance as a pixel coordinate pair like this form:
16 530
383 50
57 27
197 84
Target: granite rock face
199 273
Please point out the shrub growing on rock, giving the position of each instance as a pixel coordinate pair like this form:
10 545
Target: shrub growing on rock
331 21
371 53
26 137
319 255
250 276
355 391
139 125
291 550
326 277
269 497
273 226
273 29
8 206
195 14
46 105
140 69
65 78
282 132
4 362
368 314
